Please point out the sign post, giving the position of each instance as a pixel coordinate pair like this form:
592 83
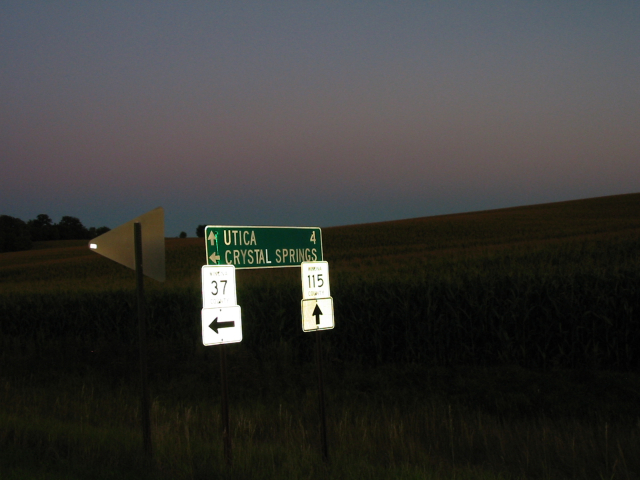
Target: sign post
323 414
317 314
226 423
142 334
233 247
221 324
126 245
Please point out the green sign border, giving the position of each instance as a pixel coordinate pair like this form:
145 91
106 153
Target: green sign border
262 247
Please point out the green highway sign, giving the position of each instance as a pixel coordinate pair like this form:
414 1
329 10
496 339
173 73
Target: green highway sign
262 247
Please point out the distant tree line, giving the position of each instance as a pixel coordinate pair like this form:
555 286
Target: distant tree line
16 234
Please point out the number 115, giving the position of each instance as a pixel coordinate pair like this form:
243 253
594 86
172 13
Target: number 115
312 281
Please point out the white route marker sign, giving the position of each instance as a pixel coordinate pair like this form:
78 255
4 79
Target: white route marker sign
317 314
218 286
315 280
221 316
317 304
221 325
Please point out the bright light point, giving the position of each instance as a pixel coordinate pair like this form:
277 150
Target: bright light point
93 246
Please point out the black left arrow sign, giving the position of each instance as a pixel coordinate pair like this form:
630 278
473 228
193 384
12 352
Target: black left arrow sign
215 325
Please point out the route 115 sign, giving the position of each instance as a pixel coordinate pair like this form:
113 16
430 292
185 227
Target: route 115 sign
317 304
315 280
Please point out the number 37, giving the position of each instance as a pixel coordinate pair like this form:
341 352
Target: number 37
215 286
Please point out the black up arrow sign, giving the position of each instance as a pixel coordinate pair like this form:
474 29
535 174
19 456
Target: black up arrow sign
316 313
215 325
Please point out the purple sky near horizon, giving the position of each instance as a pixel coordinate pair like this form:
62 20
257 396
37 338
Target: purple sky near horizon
313 113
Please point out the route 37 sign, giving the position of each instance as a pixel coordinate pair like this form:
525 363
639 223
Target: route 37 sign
221 317
218 286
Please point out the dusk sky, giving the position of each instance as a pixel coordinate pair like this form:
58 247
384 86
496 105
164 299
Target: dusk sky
313 113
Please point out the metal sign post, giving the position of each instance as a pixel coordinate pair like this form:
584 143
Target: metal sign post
221 324
142 334
323 415
229 248
226 424
317 314
120 246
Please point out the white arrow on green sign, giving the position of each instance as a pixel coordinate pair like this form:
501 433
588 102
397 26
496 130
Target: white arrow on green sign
262 247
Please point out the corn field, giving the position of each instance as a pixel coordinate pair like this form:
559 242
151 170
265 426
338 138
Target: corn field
545 286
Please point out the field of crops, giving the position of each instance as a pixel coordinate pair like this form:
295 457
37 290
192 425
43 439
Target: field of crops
539 286
495 345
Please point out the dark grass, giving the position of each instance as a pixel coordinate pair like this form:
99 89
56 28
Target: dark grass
77 414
